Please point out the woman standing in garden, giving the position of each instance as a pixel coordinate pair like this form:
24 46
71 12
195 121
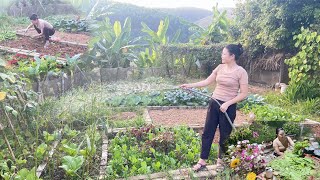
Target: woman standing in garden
229 78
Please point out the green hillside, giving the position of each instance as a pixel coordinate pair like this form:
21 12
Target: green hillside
152 18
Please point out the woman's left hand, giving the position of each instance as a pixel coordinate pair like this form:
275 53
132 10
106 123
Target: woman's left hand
224 107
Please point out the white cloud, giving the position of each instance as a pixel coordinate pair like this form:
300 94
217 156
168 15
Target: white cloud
204 4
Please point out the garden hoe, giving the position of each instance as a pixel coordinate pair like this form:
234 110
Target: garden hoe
202 94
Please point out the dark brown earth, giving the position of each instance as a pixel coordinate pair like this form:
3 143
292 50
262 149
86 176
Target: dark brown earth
36 45
63 36
189 117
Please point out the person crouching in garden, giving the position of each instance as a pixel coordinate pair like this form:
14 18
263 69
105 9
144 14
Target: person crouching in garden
229 78
43 27
282 142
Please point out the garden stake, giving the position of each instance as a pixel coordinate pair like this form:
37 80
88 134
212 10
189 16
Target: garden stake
7 142
202 94
11 126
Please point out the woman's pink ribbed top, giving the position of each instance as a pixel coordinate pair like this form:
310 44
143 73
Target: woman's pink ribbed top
228 83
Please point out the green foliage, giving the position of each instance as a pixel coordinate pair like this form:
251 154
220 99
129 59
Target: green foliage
292 167
71 25
265 132
292 128
148 58
50 137
310 107
304 68
112 44
155 40
272 113
149 149
6 33
136 122
40 67
41 151
196 57
25 174
158 37
242 133
138 100
181 97
262 131
271 24
167 98
299 147
216 32
70 149
72 164
119 12
252 99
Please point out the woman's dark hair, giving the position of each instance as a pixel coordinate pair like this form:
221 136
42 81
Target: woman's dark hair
235 49
278 130
33 17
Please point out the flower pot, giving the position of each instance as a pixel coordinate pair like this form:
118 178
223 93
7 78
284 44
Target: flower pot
283 87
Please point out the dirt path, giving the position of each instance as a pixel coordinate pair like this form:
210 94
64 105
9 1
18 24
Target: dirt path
174 117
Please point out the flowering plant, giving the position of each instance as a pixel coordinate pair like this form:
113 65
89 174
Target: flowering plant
246 159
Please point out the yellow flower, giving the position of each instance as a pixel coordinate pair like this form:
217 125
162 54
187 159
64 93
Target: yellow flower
2 95
234 163
251 176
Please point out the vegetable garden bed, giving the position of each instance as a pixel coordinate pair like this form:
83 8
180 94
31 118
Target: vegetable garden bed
36 45
152 149
81 38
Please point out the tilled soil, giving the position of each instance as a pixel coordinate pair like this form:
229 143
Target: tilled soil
63 36
174 117
124 116
36 45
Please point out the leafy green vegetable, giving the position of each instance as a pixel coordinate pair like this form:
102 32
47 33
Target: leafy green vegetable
292 167
72 164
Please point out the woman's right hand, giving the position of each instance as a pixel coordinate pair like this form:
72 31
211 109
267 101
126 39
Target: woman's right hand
185 86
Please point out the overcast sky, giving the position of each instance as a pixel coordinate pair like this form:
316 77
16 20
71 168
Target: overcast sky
204 4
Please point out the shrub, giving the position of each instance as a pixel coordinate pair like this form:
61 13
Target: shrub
191 58
304 68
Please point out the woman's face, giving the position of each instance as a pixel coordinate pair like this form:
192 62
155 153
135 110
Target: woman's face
35 22
226 57
281 134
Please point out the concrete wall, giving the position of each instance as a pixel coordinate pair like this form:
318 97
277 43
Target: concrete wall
58 85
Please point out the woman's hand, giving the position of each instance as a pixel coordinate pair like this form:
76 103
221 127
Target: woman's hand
185 86
224 107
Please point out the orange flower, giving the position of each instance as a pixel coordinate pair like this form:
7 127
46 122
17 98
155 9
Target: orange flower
251 176
2 95
234 163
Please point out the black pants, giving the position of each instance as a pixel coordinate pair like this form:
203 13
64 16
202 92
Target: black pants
47 32
214 118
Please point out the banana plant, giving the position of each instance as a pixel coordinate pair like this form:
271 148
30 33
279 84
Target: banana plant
146 58
159 37
215 33
112 46
155 40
